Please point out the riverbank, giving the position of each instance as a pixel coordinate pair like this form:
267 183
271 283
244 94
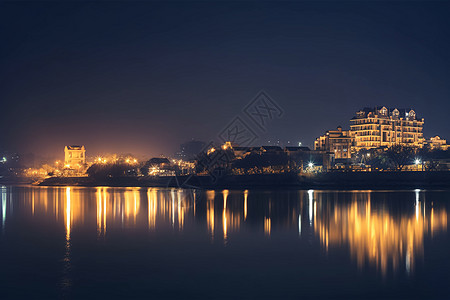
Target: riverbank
15 180
333 180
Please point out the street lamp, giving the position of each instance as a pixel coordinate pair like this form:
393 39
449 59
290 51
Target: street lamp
418 162
310 164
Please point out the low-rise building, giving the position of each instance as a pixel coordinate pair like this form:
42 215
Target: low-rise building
158 166
437 143
337 141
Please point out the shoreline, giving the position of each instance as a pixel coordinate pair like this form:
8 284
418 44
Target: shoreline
335 181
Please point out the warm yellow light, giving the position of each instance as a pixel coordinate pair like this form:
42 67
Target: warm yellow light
68 214
377 237
267 226
245 204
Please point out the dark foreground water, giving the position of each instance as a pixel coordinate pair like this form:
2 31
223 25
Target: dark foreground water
102 243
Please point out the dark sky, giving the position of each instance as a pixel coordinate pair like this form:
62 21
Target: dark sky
143 77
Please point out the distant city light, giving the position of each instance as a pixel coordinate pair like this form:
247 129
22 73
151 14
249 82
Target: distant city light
310 164
212 150
417 161
4 159
299 144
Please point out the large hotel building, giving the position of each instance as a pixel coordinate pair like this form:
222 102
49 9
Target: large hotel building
373 128
378 127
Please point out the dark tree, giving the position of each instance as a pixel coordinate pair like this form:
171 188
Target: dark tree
117 169
262 160
217 160
400 155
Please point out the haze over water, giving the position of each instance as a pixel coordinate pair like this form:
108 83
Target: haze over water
161 243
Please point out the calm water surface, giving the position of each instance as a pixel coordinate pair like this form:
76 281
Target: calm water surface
152 243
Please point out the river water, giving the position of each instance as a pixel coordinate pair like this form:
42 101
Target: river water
80 243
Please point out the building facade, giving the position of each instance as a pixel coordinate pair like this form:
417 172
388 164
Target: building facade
337 141
436 143
383 127
74 156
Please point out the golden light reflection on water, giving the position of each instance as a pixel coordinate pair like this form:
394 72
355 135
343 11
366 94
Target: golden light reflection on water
210 212
267 226
224 214
66 281
374 234
68 213
245 204
152 197
101 211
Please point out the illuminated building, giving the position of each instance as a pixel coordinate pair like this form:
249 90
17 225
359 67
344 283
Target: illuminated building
436 143
336 141
158 166
74 155
241 152
383 127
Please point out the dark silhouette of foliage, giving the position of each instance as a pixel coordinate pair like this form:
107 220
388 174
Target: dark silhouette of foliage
431 158
400 155
255 160
375 158
117 169
219 160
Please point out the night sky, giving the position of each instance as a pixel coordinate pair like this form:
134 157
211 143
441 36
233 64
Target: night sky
143 77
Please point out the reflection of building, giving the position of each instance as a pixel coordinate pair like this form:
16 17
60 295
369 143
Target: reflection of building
337 141
375 235
373 229
383 127
75 155
436 143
